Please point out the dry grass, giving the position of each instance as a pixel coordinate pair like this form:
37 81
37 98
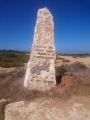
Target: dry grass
81 78
80 72
11 86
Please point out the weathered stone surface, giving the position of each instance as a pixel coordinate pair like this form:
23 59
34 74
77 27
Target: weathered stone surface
48 110
40 73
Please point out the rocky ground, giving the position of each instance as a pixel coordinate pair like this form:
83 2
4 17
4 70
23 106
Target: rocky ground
76 108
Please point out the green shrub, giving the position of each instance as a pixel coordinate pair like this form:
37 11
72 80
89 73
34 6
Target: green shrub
61 70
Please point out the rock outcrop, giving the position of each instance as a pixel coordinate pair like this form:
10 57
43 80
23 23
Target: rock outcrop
50 109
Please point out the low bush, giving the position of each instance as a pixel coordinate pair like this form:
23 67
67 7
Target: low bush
77 66
81 73
61 70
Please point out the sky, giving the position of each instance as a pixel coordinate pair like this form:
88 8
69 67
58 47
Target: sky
71 24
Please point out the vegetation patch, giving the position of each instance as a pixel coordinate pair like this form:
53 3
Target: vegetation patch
80 72
13 58
61 70
62 59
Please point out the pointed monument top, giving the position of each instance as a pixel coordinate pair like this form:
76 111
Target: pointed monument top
44 10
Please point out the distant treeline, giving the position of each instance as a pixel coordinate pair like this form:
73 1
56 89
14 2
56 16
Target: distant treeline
14 51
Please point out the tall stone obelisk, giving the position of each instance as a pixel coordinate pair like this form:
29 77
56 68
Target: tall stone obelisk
40 73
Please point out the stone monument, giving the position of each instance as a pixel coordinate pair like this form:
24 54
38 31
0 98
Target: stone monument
40 73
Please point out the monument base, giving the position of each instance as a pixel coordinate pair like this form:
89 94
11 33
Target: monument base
41 82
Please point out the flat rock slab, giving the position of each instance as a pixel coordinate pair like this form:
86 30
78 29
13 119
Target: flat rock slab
48 110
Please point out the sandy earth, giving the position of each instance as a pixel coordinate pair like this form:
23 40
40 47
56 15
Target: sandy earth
85 60
76 108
